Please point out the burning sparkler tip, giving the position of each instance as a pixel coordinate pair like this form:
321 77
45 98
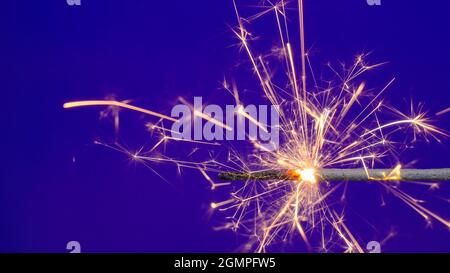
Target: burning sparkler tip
305 175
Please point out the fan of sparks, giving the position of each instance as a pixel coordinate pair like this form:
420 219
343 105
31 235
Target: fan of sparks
339 124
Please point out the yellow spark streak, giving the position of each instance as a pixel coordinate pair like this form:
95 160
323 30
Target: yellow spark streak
242 37
302 45
205 116
220 204
212 120
192 141
424 212
415 121
251 119
371 102
443 111
117 104
280 31
152 127
214 185
353 242
352 100
268 230
294 77
297 208
395 174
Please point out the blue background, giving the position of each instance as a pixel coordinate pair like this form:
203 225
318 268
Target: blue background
153 52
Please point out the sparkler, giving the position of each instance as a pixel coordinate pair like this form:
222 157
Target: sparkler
287 191
358 175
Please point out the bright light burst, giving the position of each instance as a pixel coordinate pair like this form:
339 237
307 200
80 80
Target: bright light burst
338 125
